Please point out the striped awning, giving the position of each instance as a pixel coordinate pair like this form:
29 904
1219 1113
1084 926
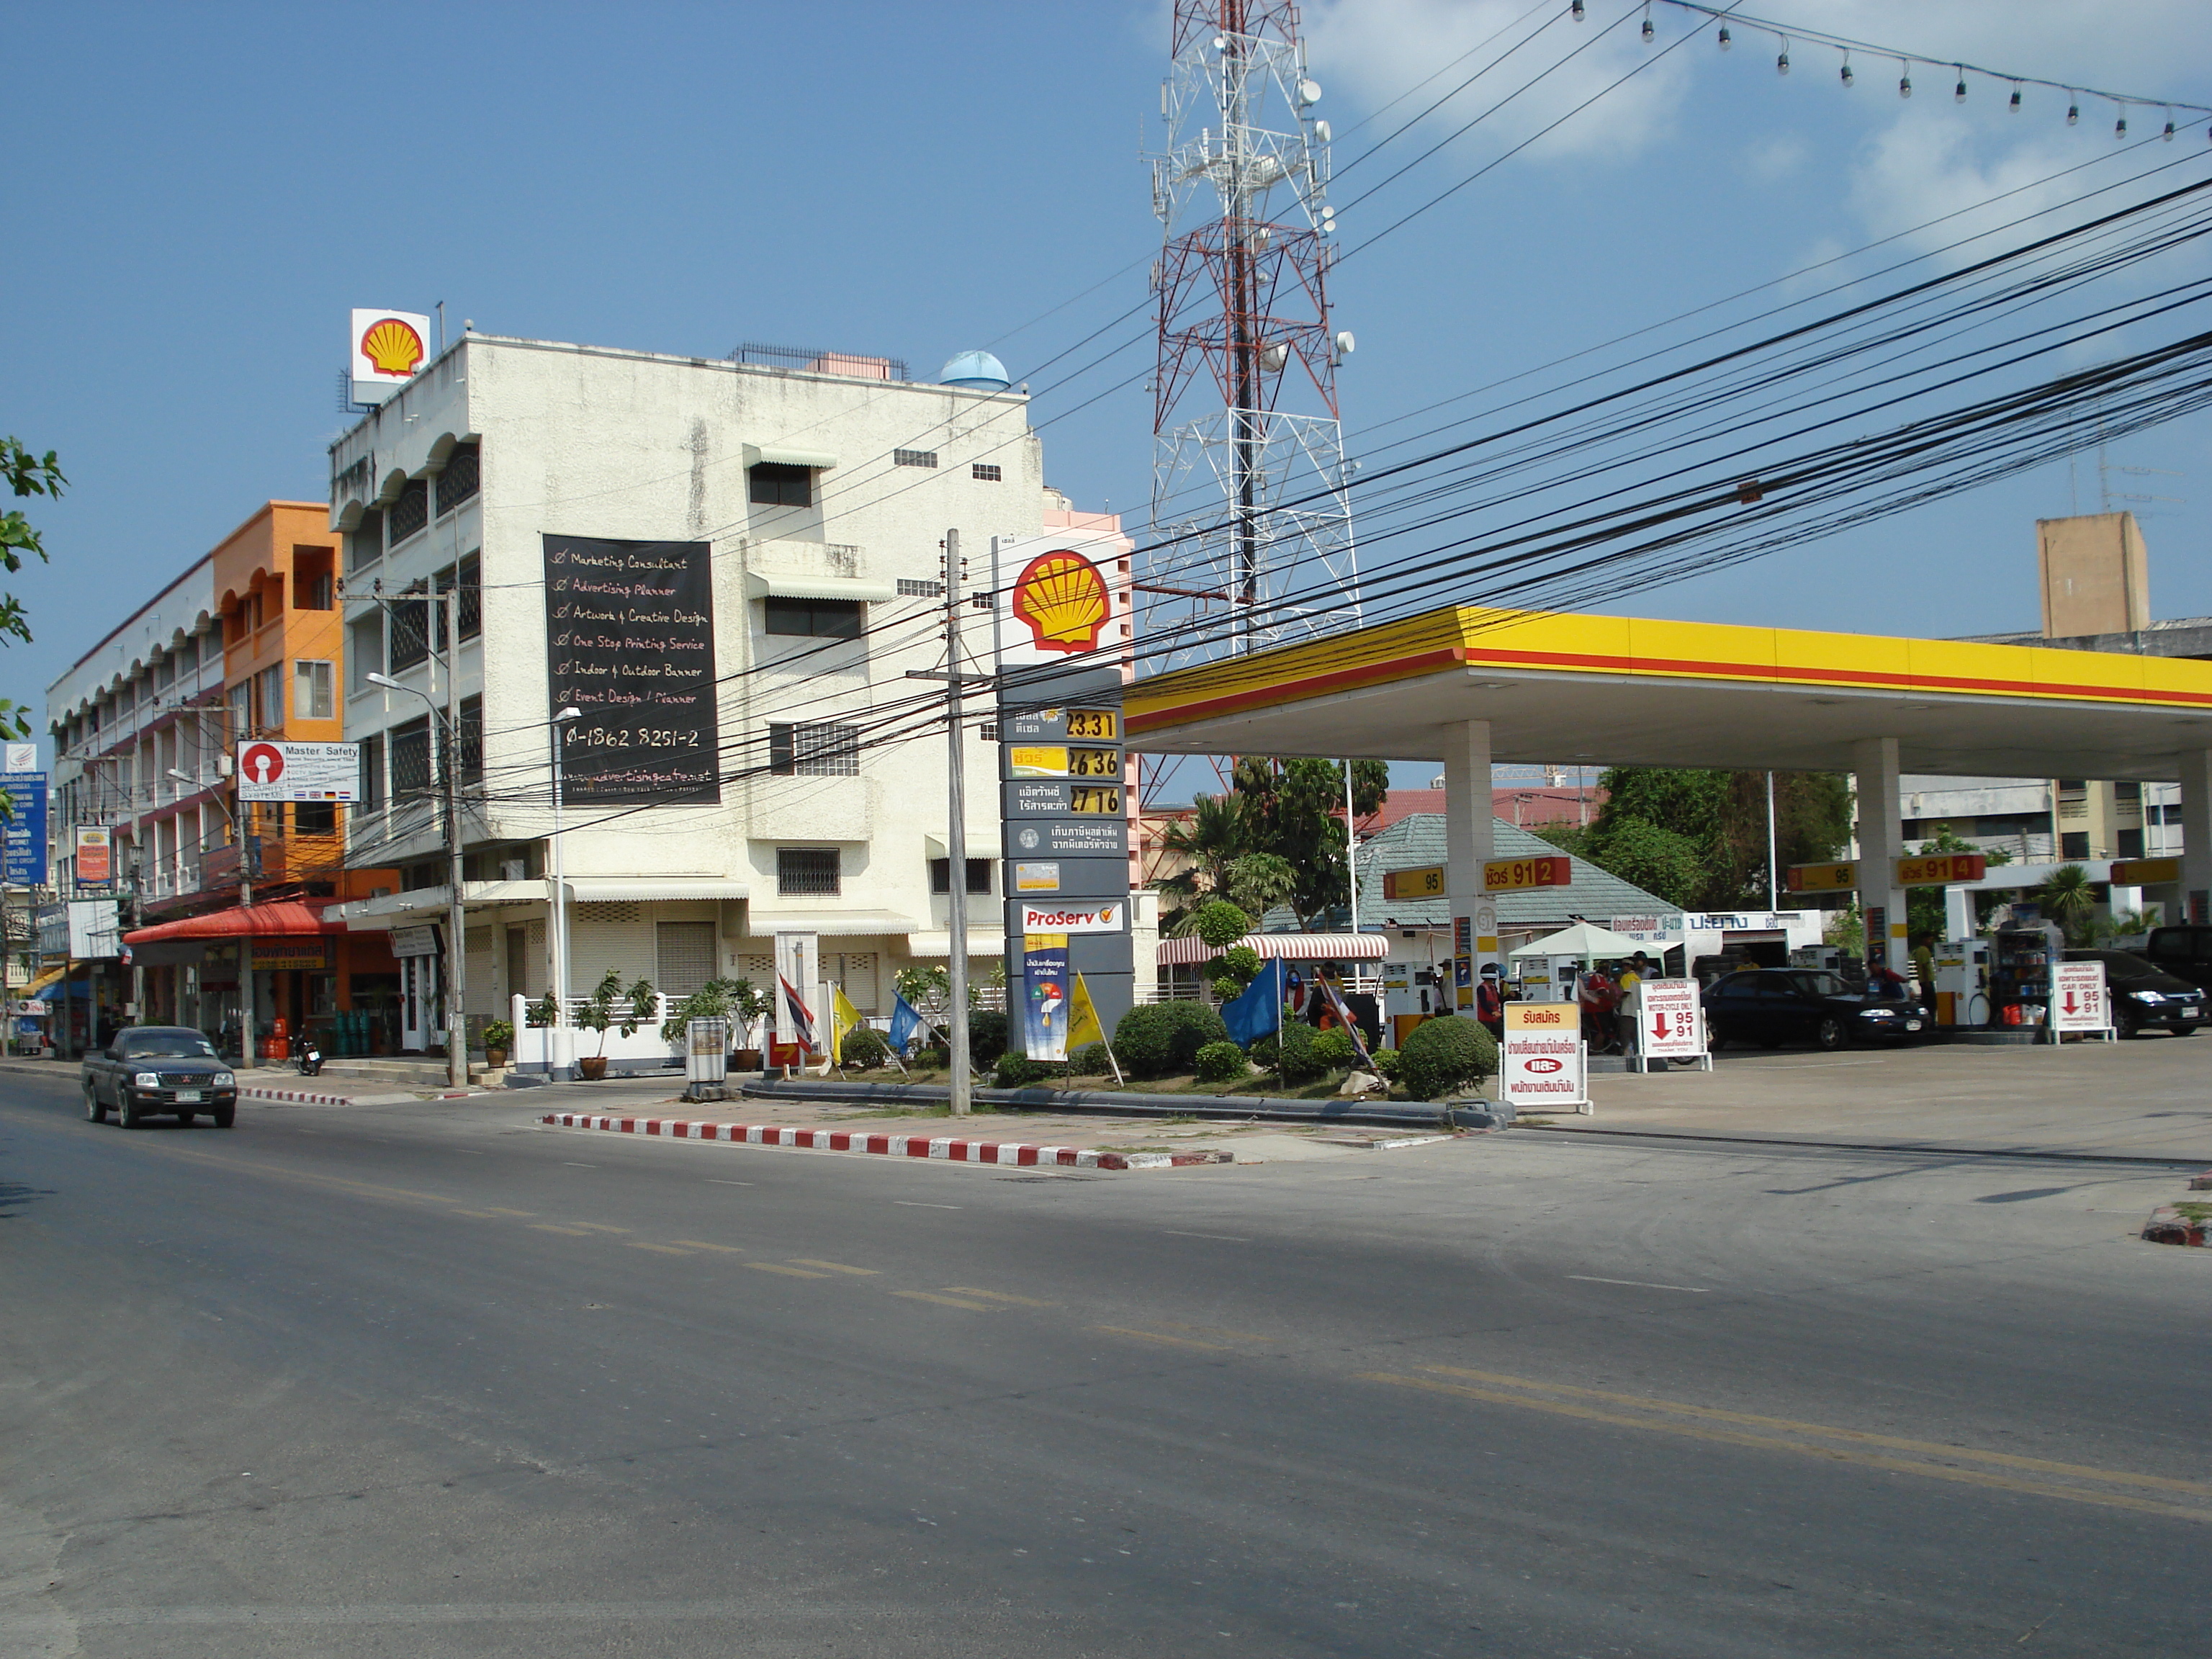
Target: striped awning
1191 950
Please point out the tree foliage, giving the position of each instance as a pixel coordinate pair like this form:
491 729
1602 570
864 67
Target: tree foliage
2069 897
1697 837
1292 807
27 474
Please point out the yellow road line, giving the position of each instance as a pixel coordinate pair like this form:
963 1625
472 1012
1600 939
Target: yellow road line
1217 1330
1155 1336
1000 1295
661 1249
833 1266
500 1210
481 1215
1770 1442
702 1244
548 1227
601 1227
772 1267
946 1301
2009 1460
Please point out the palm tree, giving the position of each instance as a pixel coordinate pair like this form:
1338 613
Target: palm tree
2069 897
1212 838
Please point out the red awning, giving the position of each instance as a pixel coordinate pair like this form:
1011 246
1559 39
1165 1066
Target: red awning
285 919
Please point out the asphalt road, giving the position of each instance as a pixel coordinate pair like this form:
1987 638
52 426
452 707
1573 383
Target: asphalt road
430 1381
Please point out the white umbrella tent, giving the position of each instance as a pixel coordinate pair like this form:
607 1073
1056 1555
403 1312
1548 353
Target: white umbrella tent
1586 941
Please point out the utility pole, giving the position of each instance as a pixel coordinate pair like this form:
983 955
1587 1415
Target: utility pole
1773 870
457 1023
249 860
955 837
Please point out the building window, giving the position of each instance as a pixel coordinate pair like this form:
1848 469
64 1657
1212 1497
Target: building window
2131 843
364 651
985 472
2126 789
411 757
459 480
2074 844
314 691
411 629
269 696
470 740
913 457
315 817
471 616
773 485
683 957
365 541
312 588
409 514
823 619
988 730
910 588
979 875
241 711
372 772
806 872
815 751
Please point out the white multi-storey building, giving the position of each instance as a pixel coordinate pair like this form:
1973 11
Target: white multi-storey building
805 507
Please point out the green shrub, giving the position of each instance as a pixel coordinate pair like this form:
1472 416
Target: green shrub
1239 965
1220 923
987 1036
1293 1057
1192 1025
866 1047
1386 1063
1089 1060
1333 1050
1441 1055
933 1060
1142 1038
1020 1072
1221 1062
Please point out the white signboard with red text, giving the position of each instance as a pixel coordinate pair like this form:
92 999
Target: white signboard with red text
1670 1025
270 770
1540 1064
2079 998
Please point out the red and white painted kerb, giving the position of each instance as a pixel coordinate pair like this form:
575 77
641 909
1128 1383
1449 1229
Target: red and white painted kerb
948 1148
291 1097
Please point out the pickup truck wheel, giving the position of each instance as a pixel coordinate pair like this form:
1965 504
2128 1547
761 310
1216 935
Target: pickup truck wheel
126 1111
94 1111
185 1120
224 1116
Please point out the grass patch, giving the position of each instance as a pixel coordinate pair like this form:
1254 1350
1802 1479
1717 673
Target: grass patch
941 1108
2193 1212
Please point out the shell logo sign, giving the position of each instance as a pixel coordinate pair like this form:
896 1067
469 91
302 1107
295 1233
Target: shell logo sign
388 348
1063 600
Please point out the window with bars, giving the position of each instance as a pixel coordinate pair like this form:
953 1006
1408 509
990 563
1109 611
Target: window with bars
470 740
986 472
683 957
815 749
471 621
459 480
913 457
807 873
910 588
372 772
410 628
979 875
411 757
409 514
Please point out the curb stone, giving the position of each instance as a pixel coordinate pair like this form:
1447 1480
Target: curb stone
2167 1226
947 1148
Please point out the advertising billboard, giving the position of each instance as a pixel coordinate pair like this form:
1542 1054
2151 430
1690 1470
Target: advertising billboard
630 639
94 858
25 833
389 348
273 771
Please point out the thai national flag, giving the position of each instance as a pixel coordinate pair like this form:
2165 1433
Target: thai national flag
800 1016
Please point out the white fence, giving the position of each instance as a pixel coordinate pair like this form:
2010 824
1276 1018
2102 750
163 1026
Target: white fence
654 1046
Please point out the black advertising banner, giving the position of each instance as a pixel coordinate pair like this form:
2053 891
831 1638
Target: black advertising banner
630 639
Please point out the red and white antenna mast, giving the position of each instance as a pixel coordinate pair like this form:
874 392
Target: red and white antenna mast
1251 527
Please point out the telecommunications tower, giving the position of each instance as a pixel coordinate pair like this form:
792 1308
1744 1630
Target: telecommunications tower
1251 528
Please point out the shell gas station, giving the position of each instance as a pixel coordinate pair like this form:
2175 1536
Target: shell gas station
1470 686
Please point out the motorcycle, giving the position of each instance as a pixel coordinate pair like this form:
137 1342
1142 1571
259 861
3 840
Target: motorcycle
307 1055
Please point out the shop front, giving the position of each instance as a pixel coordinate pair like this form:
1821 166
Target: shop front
309 974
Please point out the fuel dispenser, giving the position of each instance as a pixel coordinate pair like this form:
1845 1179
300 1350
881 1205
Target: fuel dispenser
1962 982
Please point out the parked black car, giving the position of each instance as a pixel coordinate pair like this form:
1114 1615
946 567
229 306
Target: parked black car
2184 951
159 1068
2145 997
1771 1006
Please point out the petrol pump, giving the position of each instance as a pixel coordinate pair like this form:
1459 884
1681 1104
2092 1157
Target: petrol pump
1962 982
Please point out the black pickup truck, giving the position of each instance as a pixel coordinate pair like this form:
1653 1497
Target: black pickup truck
159 1068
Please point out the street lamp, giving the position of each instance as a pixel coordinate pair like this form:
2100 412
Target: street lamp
457 1040
555 1061
246 1056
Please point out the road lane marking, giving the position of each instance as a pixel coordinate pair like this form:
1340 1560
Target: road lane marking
833 1266
2009 1460
711 1182
1170 1341
601 1227
567 1165
947 1301
548 1227
500 1210
1000 1295
662 1249
482 1215
702 1244
1772 1442
1639 1284
912 1204
774 1267
1217 1330
1219 1237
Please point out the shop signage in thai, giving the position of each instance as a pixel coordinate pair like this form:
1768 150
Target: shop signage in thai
1540 1064
1511 875
2080 1000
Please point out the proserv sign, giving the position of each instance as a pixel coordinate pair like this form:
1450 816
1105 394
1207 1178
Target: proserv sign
1110 918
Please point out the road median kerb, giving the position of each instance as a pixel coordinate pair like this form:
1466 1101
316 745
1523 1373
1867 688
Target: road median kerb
2170 1226
948 1148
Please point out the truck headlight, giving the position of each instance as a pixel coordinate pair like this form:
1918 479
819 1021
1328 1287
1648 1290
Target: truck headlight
147 1079
223 1080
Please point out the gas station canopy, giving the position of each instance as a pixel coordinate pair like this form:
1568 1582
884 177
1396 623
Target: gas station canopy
1616 690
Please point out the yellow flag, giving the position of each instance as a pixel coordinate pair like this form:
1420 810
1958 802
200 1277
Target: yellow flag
1082 1019
843 1017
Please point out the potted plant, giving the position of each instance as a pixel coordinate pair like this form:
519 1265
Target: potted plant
499 1041
749 1005
596 1015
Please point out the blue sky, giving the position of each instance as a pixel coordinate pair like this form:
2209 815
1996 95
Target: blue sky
197 194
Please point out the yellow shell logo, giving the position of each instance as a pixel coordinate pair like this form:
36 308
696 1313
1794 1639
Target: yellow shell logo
391 347
1063 599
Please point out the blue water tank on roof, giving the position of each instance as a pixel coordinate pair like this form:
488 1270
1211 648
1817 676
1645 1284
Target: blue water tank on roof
977 371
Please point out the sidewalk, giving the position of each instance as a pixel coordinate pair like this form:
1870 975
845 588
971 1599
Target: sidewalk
2144 1099
271 1085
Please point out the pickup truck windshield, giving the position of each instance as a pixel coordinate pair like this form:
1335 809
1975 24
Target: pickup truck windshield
180 1046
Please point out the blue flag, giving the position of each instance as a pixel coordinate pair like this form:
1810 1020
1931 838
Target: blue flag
1257 1012
904 1024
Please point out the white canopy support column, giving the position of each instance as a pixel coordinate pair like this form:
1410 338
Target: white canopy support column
2195 837
1468 846
1881 843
